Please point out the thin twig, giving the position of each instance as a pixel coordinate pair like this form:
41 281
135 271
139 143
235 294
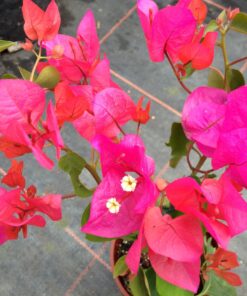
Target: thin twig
93 172
68 196
237 61
177 75
36 63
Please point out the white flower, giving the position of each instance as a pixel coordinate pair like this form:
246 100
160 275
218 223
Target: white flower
128 183
113 205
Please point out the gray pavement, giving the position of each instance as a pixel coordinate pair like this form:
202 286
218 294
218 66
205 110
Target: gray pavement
57 260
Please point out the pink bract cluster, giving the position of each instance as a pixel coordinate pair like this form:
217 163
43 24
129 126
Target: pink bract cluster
128 200
219 128
22 206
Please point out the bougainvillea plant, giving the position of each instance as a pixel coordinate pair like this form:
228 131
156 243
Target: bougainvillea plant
178 233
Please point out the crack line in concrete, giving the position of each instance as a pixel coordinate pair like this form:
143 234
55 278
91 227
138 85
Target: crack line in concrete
84 272
118 24
72 234
145 93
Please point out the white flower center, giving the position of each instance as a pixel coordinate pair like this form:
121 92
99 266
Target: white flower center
113 205
128 183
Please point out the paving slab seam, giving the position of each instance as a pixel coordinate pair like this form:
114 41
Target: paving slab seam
145 93
84 272
72 234
162 171
118 24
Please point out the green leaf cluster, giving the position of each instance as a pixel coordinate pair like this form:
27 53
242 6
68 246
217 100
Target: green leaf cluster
73 164
239 23
4 44
178 143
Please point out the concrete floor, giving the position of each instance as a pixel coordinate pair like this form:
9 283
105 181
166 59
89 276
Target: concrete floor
57 260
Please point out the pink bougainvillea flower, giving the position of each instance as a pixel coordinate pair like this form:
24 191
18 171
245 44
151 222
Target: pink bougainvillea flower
216 203
52 132
71 102
80 55
142 115
40 25
228 203
14 176
165 33
21 110
23 103
221 262
20 208
199 52
197 7
129 153
180 239
28 45
112 108
100 77
126 189
185 275
232 13
232 143
174 244
87 34
49 204
14 215
208 106
219 128
147 9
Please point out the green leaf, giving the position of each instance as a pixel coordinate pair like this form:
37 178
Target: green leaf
24 73
234 78
8 76
239 23
120 267
166 289
4 44
97 239
73 164
216 286
85 215
130 237
215 79
150 276
222 16
211 27
177 142
209 249
48 77
137 285
189 71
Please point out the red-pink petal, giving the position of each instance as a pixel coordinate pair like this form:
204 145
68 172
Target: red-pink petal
185 275
22 103
180 238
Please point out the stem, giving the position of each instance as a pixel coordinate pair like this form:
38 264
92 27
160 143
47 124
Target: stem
91 169
200 163
177 75
225 57
138 128
237 61
93 172
68 196
36 63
